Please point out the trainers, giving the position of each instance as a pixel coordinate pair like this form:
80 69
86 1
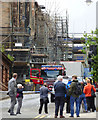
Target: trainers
55 116
61 116
88 111
46 112
18 113
78 116
71 116
13 114
9 111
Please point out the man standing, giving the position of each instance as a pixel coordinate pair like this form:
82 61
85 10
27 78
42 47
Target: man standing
60 91
44 98
12 89
73 96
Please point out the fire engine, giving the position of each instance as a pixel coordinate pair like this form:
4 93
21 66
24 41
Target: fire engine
47 74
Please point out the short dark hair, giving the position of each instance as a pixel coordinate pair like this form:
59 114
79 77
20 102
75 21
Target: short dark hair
14 75
75 76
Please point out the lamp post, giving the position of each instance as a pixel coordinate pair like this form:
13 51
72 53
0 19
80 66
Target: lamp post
88 2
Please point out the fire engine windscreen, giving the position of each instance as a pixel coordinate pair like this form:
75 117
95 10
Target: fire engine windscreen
50 73
35 73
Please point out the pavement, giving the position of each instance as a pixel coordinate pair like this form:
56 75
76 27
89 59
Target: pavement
29 102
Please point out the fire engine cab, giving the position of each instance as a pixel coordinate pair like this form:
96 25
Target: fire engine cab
47 74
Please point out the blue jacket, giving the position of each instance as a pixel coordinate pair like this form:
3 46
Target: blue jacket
69 83
68 86
60 89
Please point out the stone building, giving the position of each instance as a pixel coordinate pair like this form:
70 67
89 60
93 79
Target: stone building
5 71
25 35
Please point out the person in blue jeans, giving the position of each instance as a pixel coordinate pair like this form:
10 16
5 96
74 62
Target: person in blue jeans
82 98
74 97
72 100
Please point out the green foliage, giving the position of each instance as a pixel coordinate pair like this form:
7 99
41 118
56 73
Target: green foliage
89 42
10 57
84 51
95 66
2 49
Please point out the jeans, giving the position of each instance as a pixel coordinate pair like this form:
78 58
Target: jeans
59 102
82 97
72 100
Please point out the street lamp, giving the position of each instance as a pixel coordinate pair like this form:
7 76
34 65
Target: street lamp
88 2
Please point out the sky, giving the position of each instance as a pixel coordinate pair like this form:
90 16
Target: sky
81 16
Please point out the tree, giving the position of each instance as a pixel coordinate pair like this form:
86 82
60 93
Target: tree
92 40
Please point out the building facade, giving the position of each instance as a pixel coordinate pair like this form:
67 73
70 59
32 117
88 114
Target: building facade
25 32
5 71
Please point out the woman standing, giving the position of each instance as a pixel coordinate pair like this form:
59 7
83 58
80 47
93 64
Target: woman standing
87 91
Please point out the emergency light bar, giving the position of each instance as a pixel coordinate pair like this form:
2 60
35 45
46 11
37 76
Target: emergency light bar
51 66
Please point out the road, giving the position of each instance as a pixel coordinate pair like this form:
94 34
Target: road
30 109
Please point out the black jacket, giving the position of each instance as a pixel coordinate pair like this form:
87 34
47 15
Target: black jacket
60 89
20 92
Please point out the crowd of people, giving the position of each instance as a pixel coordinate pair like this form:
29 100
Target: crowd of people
72 92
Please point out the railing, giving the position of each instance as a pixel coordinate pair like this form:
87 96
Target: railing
15 30
77 49
23 58
39 51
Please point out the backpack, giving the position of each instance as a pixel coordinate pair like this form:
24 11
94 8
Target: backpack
78 89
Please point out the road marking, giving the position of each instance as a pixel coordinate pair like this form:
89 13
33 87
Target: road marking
38 116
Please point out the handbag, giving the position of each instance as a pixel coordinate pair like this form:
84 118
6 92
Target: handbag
92 92
52 97
45 100
17 95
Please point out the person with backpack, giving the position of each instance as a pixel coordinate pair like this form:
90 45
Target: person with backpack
75 91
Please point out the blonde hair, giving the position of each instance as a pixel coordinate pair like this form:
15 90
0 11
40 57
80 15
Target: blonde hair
88 80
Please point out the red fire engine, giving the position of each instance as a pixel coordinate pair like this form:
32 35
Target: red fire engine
47 73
